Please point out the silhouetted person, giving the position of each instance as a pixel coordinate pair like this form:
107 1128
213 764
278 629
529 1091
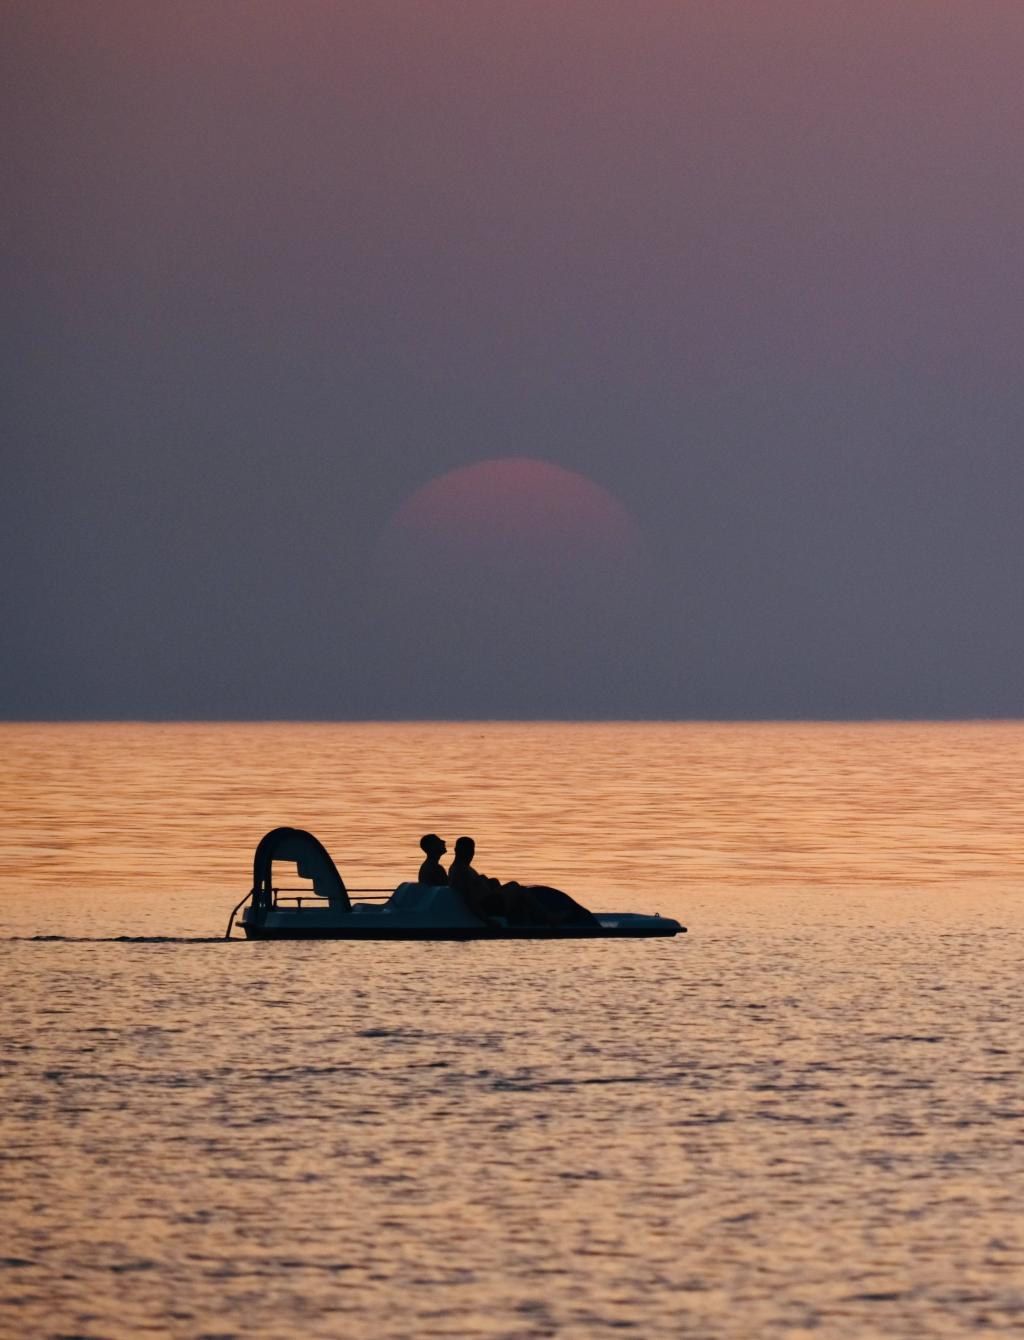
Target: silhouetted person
520 905
482 895
432 871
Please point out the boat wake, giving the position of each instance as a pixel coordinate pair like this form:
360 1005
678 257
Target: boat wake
123 939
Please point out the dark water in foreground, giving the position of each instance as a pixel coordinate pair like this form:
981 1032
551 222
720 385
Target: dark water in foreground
806 1116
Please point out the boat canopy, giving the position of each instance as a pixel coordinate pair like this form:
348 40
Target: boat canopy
311 857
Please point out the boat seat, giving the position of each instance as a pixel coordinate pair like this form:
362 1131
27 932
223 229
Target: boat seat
436 901
407 895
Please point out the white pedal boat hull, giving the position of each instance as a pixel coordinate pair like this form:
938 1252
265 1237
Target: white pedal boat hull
418 912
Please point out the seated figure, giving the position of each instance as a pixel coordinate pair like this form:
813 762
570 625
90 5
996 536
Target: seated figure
432 871
482 895
519 904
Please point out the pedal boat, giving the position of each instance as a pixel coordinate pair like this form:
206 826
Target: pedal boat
325 910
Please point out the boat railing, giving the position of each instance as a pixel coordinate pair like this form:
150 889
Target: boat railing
290 895
285 895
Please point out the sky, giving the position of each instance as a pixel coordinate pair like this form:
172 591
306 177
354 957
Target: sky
755 268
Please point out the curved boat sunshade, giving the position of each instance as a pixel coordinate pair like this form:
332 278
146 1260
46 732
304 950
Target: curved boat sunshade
309 854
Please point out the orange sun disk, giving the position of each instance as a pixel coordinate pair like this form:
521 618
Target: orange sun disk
516 512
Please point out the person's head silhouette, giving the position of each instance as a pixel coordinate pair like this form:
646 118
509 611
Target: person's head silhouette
433 846
464 849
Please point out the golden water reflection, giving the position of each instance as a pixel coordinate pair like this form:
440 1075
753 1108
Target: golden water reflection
645 807
806 1116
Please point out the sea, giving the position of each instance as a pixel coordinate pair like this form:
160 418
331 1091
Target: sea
804 1117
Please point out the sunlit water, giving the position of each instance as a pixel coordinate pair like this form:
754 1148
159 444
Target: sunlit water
805 1116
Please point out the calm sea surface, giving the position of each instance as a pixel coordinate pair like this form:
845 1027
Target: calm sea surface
804 1117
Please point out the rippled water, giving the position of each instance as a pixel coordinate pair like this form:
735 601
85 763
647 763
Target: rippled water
807 1115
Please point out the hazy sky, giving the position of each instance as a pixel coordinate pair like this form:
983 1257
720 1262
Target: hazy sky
756 267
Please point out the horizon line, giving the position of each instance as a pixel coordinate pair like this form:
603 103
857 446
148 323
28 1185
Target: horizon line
515 720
